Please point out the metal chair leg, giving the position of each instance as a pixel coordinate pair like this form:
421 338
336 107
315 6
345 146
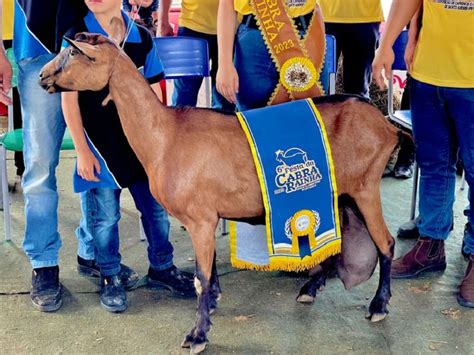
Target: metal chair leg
463 181
5 194
207 90
142 231
224 230
414 192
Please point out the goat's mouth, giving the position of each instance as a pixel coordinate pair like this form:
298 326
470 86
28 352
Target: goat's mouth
51 86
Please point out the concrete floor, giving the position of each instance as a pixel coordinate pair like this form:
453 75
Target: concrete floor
258 313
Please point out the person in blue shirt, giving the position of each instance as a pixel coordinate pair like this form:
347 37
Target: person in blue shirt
106 164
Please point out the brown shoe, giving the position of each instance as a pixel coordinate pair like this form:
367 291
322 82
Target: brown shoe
427 255
466 290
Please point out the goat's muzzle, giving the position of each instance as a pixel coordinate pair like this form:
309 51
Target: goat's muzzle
47 82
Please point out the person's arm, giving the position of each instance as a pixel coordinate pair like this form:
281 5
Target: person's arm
5 69
401 13
164 27
227 79
413 33
87 163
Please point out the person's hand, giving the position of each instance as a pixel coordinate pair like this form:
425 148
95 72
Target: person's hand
409 54
88 166
142 3
5 79
227 82
383 60
165 29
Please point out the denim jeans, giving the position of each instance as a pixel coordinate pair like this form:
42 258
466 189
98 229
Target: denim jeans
186 90
357 43
103 215
443 124
43 130
258 75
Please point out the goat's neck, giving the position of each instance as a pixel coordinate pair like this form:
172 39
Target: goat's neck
145 120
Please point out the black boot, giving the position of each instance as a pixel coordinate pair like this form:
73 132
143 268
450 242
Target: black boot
46 291
89 268
112 294
179 282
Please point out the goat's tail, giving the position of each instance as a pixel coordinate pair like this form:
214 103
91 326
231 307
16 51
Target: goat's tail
405 149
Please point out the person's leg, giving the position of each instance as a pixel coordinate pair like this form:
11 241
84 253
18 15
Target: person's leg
186 90
461 107
436 153
103 215
218 101
257 72
43 129
162 273
359 52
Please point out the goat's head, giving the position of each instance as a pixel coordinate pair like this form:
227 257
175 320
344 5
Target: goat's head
86 64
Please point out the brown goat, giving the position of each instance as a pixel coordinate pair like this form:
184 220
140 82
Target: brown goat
200 166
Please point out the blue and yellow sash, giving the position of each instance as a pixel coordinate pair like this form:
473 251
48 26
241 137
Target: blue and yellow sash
296 174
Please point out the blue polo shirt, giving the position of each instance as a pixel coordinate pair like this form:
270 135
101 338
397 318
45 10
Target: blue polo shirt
119 165
39 25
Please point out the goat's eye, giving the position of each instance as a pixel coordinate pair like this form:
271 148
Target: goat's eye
73 52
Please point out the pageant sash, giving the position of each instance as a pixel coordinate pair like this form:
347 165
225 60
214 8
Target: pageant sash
296 175
299 61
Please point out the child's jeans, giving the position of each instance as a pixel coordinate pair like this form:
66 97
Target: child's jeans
103 215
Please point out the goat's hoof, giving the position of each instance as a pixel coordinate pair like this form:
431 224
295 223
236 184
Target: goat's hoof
212 310
197 348
188 340
376 317
305 298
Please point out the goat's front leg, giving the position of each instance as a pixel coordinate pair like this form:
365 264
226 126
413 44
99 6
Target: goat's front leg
215 287
317 282
202 236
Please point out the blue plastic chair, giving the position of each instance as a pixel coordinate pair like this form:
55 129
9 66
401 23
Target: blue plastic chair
185 57
328 72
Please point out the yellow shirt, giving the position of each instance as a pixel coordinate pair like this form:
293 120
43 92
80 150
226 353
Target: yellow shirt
352 11
296 7
7 19
199 15
444 55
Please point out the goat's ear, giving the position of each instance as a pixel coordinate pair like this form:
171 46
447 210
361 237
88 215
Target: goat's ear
117 32
85 48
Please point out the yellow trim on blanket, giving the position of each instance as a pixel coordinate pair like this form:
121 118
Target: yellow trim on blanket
261 179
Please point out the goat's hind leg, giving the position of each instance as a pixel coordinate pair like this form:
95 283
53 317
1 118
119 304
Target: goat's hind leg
370 206
317 282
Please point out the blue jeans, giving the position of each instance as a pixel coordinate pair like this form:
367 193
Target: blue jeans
258 75
443 124
43 130
103 215
357 42
186 90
